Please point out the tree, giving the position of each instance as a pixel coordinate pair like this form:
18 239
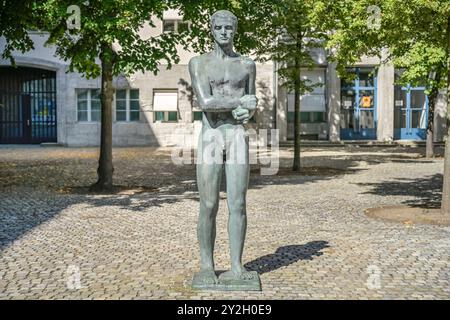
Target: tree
252 26
295 25
417 37
282 31
420 50
423 64
105 42
15 20
298 28
101 38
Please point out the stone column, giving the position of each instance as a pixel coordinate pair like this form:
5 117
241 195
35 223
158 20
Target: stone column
64 109
333 84
281 107
385 103
440 111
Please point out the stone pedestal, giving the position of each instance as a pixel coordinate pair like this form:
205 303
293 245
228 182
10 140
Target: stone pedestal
253 284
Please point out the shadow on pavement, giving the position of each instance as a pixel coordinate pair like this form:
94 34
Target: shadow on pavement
287 255
427 191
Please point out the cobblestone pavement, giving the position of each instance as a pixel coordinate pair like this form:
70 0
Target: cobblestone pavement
307 235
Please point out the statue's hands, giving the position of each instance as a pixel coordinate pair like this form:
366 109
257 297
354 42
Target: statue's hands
244 112
241 114
249 102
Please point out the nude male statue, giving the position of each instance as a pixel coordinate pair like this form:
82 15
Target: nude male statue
224 83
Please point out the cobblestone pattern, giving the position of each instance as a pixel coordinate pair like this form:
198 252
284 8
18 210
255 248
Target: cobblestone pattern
307 235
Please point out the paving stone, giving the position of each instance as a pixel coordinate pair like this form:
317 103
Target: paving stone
307 234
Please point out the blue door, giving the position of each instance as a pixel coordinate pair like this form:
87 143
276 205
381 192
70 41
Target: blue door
358 106
410 113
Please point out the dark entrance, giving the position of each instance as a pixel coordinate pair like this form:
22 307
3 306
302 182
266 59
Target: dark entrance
27 105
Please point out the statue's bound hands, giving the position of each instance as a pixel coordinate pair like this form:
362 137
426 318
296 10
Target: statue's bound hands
249 102
244 112
241 115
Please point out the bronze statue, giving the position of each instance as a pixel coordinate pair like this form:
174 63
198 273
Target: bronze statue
224 83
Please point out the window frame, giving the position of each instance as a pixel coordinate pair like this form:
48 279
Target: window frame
197 111
89 105
166 117
127 105
323 72
166 112
175 27
291 116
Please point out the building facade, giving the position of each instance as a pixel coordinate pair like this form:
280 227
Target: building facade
40 101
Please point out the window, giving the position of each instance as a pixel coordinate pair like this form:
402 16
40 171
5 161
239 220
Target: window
314 100
127 105
198 115
183 26
178 26
88 104
169 25
172 116
312 104
166 116
358 102
318 116
165 105
307 117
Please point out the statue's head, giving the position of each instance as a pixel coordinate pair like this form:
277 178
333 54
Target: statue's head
223 27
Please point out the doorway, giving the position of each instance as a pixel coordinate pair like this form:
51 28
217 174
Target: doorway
410 113
27 105
358 105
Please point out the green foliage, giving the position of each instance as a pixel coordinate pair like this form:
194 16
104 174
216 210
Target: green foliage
294 29
283 31
110 29
251 15
413 32
352 38
15 20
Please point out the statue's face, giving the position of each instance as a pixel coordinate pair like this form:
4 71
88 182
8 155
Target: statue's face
223 30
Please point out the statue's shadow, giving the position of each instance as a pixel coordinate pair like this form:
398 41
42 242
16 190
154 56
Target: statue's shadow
287 255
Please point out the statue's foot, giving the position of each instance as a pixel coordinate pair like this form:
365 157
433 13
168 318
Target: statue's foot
206 277
238 274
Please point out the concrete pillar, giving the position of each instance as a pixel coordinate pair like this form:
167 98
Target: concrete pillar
63 108
385 103
281 105
334 103
440 112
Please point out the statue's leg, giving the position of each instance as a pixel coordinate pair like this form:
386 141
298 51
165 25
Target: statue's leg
237 169
208 181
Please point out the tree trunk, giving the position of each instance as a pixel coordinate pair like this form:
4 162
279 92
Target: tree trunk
429 153
105 166
445 207
296 165
430 125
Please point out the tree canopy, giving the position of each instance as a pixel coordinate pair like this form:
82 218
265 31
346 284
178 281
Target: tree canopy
109 24
16 19
410 34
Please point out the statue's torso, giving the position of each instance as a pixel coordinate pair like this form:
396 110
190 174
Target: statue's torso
226 78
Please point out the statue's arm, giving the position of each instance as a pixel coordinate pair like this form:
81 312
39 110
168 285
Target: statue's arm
202 90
